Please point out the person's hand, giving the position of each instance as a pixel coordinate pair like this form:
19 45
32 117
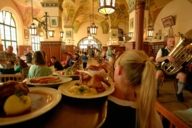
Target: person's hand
189 49
170 58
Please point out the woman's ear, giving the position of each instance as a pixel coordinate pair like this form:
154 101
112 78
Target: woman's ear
119 70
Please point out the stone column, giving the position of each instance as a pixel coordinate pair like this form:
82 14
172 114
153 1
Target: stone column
139 28
113 38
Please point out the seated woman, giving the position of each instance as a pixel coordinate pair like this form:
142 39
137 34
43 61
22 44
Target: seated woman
132 105
39 67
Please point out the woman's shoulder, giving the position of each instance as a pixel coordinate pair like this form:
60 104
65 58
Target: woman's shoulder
121 102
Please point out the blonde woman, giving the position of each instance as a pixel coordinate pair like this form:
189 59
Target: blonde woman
132 105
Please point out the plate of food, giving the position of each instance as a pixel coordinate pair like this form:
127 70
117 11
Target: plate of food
88 87
48 80
27 104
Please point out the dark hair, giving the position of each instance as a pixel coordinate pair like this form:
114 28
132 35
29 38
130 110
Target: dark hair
53 57
43 53
39 58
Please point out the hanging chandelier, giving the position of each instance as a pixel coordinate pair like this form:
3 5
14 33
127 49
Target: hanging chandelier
92 29
106 7
33 29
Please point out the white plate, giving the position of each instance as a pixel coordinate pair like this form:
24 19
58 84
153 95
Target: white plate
43 100
63 80
64 90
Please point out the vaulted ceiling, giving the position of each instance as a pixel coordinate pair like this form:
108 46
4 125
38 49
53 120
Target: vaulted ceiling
77 12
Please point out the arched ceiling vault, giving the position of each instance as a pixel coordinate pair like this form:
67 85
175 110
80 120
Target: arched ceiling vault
77 12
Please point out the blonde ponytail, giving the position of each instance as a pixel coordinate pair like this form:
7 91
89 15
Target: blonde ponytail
147 96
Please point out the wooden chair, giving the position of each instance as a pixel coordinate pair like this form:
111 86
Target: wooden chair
174 121
170 79
16 77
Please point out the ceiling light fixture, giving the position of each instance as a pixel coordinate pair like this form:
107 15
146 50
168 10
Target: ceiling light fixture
32 28
92 29
41 24
106 7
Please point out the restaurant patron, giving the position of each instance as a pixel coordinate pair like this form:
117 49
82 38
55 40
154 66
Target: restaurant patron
7 61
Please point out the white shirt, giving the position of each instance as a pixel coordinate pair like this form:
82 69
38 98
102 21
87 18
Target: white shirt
159 53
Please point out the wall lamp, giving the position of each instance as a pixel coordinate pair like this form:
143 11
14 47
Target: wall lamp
51 33
61 34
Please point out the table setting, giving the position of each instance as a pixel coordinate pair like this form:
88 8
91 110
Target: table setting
54 105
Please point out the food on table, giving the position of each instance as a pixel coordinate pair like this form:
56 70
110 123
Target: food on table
103 66
82 90
90 84
17 104
44 80
13 98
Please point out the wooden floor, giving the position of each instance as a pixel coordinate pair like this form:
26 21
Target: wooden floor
168 99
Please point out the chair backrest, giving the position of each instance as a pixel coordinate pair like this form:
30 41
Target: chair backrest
174 121
16 77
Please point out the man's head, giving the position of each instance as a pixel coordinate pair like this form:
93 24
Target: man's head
28 49
170 42
9 50
53 59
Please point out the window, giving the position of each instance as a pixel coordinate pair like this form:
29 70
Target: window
8 30
35 42
87 41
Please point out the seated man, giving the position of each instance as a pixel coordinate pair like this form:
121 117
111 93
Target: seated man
57 65
69 61
28 55
163 55
7 61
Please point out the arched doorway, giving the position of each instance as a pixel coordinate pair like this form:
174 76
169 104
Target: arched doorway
89 42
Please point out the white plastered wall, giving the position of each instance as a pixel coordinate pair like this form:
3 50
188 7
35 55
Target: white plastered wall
182 10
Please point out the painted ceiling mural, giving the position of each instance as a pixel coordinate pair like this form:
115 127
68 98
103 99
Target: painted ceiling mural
76 12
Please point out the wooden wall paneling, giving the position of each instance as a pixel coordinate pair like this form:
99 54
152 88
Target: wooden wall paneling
69 48
151 48
129 45
22 49
1 47
51 48
45 48
120 48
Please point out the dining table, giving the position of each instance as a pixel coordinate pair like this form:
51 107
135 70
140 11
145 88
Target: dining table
69 113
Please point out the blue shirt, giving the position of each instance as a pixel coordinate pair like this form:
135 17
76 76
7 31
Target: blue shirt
84 58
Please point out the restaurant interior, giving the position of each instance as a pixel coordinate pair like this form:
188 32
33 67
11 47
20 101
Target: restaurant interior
62 27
